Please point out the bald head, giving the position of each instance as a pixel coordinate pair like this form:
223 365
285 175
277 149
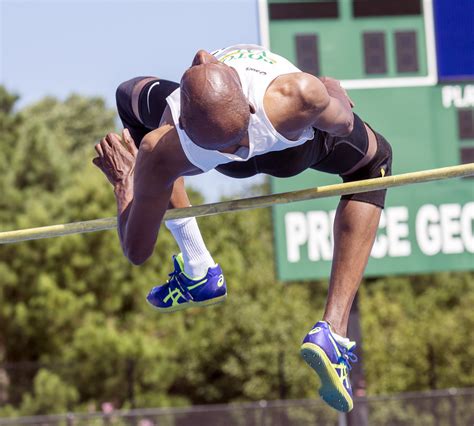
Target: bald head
214 111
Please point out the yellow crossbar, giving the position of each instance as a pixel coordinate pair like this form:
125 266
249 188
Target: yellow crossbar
248 203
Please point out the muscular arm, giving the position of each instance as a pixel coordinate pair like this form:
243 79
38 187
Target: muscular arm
335 107
142 202
298 100
160 165
143 188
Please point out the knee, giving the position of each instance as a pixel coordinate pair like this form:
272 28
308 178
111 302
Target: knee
379 166
123 94
385 155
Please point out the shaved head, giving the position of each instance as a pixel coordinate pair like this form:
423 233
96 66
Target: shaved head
214 111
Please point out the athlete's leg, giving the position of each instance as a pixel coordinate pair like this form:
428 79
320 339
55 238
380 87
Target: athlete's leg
325 348
128 110
355 228
141 102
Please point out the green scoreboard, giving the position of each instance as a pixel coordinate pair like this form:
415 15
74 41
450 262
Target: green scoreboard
409 67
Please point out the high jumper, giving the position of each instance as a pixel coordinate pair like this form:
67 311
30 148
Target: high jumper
244 110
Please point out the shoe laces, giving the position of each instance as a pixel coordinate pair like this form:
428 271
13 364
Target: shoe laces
348 356
173 280
172 274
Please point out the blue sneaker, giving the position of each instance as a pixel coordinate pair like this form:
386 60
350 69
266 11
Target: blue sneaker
181 292
331 361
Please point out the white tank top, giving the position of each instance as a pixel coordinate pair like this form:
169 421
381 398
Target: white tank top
257 68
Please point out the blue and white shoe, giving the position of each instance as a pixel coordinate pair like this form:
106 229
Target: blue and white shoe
181 292
331 361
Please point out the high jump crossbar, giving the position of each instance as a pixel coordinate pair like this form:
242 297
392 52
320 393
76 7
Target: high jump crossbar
248 203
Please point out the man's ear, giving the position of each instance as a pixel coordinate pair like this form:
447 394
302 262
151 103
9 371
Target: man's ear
252 109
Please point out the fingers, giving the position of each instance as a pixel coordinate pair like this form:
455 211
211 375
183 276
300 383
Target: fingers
129 142
111 142
351 102
98 149
328 80
112 139
97 162
127 137
104 147
333 84
112 151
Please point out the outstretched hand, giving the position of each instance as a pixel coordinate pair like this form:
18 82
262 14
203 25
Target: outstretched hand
116 157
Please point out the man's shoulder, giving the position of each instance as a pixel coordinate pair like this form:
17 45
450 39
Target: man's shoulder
162 147
292 102
296 86
156 141
294 93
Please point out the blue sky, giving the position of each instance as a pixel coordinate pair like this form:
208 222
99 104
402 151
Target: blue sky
89 47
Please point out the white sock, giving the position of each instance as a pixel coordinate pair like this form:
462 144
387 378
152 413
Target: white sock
197 258
344 341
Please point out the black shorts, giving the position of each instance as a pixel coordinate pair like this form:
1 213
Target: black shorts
326 153
151 105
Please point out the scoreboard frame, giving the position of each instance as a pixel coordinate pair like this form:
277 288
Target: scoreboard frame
431 79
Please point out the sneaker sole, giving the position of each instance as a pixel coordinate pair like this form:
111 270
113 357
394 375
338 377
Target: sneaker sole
191 304
332 390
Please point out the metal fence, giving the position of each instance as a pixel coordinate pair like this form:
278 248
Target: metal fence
452 407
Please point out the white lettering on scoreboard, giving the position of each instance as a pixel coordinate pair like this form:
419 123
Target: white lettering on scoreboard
457 96
447 229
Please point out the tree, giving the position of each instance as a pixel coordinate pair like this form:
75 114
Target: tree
416 331
73 315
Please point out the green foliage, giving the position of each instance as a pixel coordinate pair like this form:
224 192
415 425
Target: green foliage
50 395
76 331
420 328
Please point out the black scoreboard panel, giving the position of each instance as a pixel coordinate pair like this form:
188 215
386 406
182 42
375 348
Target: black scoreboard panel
407 51
307 53
368 8
304 10
375 56
320 9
